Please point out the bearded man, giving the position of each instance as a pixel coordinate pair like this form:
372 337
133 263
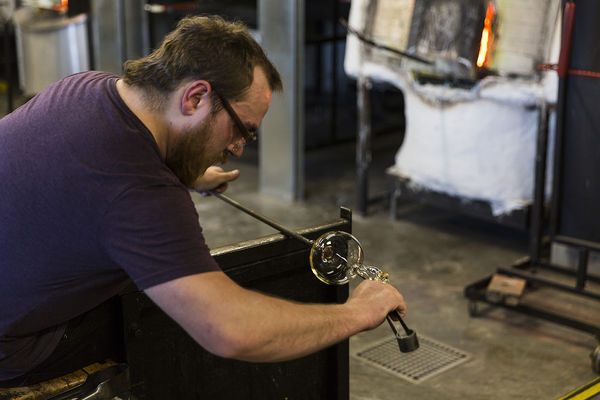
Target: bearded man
95 179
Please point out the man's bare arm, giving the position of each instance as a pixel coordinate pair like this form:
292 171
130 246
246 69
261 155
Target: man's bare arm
234 322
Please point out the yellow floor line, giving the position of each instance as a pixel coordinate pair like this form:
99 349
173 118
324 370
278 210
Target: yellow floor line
587 391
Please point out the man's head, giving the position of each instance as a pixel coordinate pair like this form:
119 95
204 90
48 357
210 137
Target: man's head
214 82
209 48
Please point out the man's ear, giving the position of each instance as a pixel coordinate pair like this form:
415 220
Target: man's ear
196 95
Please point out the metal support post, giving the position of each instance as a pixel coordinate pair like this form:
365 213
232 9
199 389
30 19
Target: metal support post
281 161
363 146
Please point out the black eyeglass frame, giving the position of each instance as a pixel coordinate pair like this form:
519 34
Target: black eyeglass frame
248 136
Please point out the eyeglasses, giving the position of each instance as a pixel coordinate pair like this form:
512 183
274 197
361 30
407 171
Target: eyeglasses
248 136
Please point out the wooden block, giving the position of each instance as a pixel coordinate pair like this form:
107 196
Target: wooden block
504 285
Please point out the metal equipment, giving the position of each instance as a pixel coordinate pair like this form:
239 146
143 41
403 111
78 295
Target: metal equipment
335 258
567 295
50 46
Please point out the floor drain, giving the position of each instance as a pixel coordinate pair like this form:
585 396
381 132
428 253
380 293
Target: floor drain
430 359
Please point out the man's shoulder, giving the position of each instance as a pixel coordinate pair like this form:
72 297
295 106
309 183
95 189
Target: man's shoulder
91 75
84 83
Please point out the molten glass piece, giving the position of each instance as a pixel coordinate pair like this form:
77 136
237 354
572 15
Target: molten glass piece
336 257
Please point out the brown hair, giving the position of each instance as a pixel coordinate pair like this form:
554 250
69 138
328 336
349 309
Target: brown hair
202 47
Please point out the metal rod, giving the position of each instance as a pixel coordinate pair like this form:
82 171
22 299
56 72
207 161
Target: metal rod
262 218
583 256
537 209
388 318
363 145
362 37
402 322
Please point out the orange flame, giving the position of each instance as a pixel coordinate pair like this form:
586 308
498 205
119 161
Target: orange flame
486 35
64 4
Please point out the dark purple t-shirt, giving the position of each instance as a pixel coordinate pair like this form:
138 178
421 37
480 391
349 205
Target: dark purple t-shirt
86 202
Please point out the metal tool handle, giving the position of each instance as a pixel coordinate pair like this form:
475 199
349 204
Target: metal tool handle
408 342
400 320
262 218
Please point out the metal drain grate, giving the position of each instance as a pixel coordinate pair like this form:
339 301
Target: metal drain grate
430 359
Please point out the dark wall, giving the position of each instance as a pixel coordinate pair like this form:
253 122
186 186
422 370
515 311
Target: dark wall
579 170
329 94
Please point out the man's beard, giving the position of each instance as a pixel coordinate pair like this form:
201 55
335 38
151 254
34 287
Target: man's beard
187 156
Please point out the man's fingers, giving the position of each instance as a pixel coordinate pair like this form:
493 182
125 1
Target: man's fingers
234 174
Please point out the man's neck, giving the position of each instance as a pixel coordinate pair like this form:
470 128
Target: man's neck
154 121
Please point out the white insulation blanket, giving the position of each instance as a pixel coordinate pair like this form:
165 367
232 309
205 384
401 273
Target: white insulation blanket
478 144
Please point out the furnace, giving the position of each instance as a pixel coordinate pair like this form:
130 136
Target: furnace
473 111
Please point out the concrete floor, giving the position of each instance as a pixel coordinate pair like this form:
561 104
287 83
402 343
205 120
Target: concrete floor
431 256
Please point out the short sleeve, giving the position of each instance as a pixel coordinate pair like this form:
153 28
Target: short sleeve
154 235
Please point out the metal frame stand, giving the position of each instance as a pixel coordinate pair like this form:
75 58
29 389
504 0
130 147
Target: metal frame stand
568 286
569 296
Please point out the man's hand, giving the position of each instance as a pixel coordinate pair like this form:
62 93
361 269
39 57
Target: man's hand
374 300
215 178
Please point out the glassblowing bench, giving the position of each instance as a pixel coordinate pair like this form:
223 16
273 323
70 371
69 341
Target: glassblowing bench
165 363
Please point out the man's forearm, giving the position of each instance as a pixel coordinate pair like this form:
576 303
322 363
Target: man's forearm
273 329
234 322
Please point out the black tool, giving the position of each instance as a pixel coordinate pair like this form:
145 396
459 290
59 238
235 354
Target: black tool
408 342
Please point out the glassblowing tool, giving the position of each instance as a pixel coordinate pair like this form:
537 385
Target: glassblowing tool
335 258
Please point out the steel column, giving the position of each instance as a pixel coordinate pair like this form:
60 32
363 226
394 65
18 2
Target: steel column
281 145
